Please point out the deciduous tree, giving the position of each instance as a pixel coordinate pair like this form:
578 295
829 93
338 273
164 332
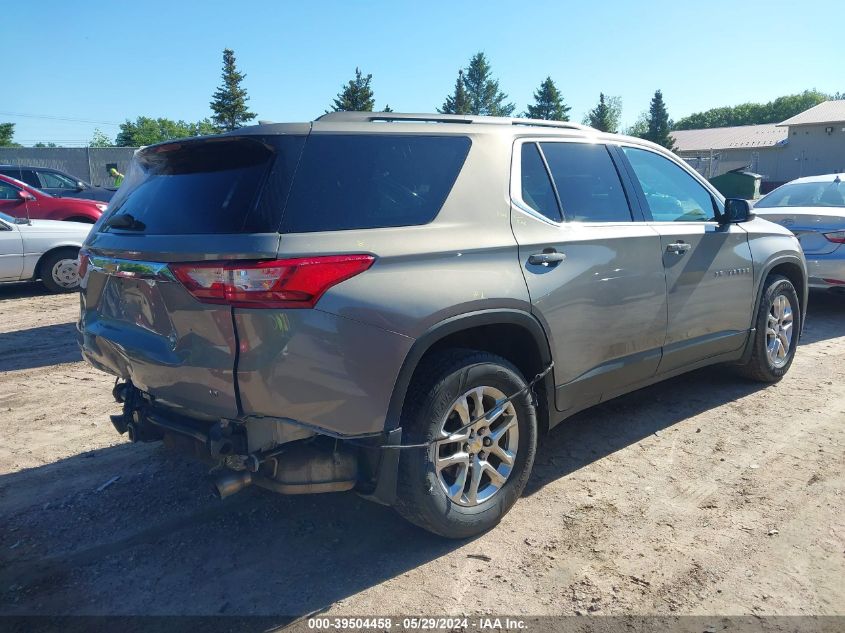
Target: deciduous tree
774 111
100 139
7 133
147 130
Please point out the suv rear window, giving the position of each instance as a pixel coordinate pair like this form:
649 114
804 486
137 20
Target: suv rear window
265 184
370 181
207 186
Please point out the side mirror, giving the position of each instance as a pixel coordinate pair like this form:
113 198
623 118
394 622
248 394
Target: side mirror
25 197
736 210
80 186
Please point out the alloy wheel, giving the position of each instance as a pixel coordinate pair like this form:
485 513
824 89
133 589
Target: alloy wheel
472 465
779 331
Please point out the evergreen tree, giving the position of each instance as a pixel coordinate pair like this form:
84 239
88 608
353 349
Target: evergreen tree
229 101
387 108
548 103
483 91
457 102
601 117
658 123
356 96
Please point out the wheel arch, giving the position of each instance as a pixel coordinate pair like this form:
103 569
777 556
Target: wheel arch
794 269
515 335
36 272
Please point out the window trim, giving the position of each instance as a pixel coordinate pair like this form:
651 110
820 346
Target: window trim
716 197
545 164
630 192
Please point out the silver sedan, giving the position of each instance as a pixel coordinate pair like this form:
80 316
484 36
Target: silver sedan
813 208
41 249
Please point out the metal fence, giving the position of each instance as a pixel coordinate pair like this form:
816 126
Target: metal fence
86 163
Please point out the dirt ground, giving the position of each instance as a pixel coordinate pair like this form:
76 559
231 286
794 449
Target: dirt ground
703 495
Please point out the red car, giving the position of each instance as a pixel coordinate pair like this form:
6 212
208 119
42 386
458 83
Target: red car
21 201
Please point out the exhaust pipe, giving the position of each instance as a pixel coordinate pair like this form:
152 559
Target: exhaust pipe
230 482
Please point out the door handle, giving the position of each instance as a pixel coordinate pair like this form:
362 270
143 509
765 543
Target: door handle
679 248
547 258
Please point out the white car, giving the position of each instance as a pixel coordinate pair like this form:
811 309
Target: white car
41 249
813 208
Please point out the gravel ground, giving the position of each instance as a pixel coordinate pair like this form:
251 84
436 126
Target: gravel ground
702 495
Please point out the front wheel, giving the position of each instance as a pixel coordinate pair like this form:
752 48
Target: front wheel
465 480
778 326
60 270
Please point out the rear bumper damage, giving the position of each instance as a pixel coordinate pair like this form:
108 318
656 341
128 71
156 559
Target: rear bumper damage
279 455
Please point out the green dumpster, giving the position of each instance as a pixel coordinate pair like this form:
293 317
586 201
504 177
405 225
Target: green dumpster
738 183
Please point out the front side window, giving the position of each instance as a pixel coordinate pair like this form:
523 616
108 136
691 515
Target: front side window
671 193
50 180
587 182
8 192
537 191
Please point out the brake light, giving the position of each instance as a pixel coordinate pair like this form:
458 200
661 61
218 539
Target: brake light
84 258
837 236
280 283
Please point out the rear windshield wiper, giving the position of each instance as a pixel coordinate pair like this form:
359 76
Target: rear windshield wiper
125 221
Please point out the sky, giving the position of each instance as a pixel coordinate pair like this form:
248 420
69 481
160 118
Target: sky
101 63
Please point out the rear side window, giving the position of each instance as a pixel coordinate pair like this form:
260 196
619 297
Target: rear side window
209 186
537 191
587 182
365 181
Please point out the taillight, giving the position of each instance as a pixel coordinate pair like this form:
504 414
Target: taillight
837 236
84 257
280 283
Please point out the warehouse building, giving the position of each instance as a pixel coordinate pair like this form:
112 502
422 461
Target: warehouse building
808 144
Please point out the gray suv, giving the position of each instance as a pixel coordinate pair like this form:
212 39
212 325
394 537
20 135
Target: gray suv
403 304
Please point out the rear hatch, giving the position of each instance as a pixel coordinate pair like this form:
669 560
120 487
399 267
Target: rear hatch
810 225
206 200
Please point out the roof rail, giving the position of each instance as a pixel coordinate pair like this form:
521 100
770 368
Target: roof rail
368 117
546 123
365 117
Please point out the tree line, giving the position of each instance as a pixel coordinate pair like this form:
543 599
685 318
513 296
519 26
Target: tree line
476 91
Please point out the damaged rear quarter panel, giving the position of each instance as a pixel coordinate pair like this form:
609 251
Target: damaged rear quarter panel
317 368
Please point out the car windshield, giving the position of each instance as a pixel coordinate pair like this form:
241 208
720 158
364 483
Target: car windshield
7 218
805 194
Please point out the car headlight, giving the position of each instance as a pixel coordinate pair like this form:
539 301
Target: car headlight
102 207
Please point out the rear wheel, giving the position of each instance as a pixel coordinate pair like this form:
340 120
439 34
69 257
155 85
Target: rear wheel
464 482
59 270
778 325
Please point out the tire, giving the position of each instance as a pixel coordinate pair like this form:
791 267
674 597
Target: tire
764 366
56 270
440 384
